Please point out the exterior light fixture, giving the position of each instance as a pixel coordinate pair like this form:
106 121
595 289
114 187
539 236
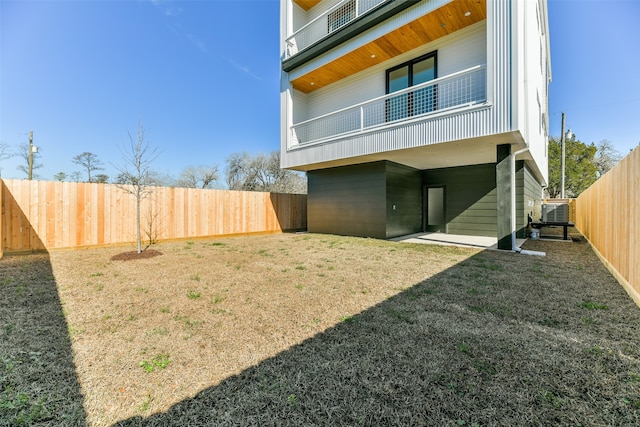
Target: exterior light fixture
467 13
373 55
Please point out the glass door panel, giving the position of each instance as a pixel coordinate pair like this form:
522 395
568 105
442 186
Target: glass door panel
398 107
424 99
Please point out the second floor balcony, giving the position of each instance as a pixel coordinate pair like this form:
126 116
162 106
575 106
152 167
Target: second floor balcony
420 102
328 23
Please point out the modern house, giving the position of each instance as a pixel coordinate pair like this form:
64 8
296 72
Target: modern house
414 116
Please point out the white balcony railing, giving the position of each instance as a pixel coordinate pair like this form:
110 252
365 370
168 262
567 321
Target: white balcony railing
450 92
332 20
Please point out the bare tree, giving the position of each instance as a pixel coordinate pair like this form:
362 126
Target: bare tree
606 157
89 161
5 153
24 152
76 176
198 177
136 176
262 173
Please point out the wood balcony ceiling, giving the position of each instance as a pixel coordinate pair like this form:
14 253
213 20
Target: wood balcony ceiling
307 4
441 22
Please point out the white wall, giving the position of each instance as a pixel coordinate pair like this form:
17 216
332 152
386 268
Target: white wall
299 18
532 57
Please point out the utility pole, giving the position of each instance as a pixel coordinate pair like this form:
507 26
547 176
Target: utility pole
30 155
32 150
562 144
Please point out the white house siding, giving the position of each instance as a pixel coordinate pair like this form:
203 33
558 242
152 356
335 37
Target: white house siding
499 78
456 52
456 126
299 101
299 18
534 84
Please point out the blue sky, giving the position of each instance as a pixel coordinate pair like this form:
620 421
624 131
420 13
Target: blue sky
203 77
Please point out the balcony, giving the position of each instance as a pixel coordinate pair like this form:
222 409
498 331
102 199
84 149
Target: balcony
328 23
439 96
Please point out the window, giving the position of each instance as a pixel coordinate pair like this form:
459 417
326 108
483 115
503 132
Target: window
341 16
412 73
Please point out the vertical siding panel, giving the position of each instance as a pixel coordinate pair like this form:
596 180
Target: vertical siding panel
16 216
37 213
60 210
117 218
94 220
3 218
100 207
180 209
634 208
72 224
227 201
51 212
26 228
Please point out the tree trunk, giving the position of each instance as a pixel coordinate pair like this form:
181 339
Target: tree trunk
138 197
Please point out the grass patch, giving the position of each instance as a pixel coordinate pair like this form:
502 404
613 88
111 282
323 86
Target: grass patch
464 348
591 305
20 409
144 407
193 294
157 363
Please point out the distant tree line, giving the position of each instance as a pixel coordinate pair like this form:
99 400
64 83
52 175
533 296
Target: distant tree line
243 171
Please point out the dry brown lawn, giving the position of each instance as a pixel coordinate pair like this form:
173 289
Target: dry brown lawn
303 329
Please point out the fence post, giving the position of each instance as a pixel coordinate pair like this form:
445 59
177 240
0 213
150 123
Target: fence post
1 217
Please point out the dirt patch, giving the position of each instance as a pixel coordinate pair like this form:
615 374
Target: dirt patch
325 330
131 255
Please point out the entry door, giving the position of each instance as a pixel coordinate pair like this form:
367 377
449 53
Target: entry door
434 210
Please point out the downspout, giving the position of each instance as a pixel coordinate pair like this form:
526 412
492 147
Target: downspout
512 161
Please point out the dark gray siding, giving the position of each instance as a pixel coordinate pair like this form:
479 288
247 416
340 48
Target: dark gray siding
528 197
359 200
404 200
349 200
470 198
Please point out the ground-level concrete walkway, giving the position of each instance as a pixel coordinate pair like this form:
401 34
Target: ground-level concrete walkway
454 240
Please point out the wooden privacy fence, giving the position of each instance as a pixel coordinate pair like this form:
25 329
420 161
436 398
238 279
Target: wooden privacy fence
608 214
43 215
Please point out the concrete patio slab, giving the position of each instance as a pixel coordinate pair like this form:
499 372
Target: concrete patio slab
454 240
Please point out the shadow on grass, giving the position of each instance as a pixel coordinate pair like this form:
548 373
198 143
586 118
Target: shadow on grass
499 339
38 380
